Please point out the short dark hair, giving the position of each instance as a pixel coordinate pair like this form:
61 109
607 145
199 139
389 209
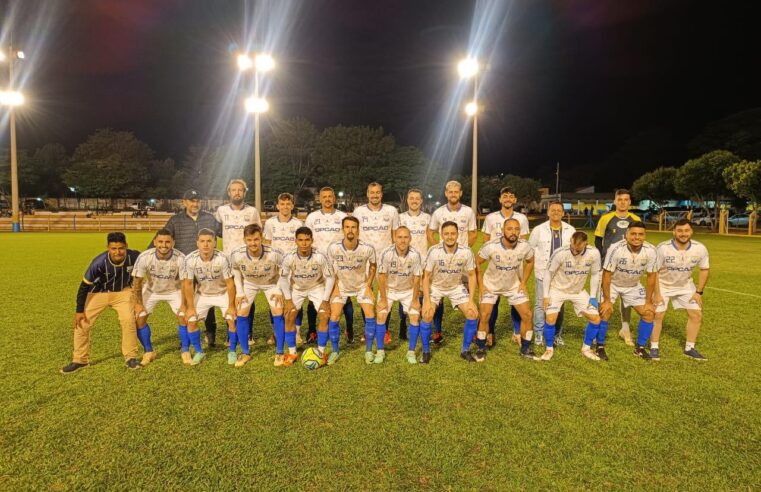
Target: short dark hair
637 224
622 191
415 190
116 237
285 197
579 236
252 229
555 202
303 230
375 183
449 223
683 221
206 232
349 218
165 232
511 219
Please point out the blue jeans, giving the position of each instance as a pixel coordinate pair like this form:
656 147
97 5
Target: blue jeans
539 311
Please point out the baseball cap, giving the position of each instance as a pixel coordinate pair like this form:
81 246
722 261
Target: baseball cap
191 194
507 189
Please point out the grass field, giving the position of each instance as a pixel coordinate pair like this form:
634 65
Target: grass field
502 425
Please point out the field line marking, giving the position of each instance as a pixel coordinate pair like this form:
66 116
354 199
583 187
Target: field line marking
734 292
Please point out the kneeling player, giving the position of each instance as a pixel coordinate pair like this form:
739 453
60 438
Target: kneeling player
506 276
399 269
161 267
256 268
445 266
211 271
677 259
305 275
625 262
564 280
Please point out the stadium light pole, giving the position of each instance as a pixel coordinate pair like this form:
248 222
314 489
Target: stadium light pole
257 105
13 99
468 68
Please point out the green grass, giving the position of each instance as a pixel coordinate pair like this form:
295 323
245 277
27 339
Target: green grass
502 425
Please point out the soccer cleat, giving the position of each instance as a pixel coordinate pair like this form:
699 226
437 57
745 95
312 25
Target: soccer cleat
694 354
148 357
387 338
242 359
350 336
627 337
438 338
547 355
133 364
312 337
227 343
641 352
539 340
480 355
402 334
299 340
655 354
467 356
232 358
601 353
490 340
186 358
271 340
289 359
559 341
411 357
528 354
380 356
425 358
590 354
197 358
73 367
332 358
369 356
278 360
516 338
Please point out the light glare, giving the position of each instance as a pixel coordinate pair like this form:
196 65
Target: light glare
11 98
244 62
471 108
467 68
264 63
20 55
257 105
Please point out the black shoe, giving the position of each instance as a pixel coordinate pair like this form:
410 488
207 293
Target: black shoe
467 356
349 336
528 353
601 352
73 367
426 358
134 364
438 338
480 355
641 352
211 339
402 334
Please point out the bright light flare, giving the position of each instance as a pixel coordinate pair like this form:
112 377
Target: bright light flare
11 98
257 105
471 109
468 67
244 62
264 63
2 56
20 55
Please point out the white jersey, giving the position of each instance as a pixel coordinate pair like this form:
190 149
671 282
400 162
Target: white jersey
401 269
281 235
675 266
326 228
259 271
233 222
418 226
628 267
463 217
305 273
567 273
161 276
376 226
448 269
495 221
210 275
350 265
505 268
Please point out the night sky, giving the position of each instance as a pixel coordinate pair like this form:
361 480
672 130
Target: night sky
567 81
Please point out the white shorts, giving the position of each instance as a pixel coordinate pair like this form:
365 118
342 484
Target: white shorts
630 296
402 297
361 298
204 303
680 300
580 302
251 291
151 299
457 295
314 295
514 297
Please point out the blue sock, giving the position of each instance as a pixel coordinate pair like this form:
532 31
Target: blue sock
195 339
322 338
279 323
438 316
413 335
549 334
380 334
144 335
349 314
425 336
471 325
481 343
290 339
369 335
299 317
590 333
644 331
602 332
334 331
242 328
233 337
182 331
493 317
516 320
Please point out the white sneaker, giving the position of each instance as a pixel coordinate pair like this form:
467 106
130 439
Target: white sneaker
547 355
589 354
539 340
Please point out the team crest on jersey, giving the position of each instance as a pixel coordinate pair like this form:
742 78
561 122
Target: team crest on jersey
216 270
387 219
623 224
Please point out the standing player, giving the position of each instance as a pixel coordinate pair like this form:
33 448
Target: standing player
305 274
506 276
256 268
106 283
445 267
353 262
625 263
676 261
210 270
611 228
564 280
399 270
160 267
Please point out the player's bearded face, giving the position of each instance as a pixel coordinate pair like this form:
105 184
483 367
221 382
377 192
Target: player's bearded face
374 195
453 195
254 242
350 230
507 200
683 234
163 244
327 199
414 200
117 252
450 236
402 240
236 192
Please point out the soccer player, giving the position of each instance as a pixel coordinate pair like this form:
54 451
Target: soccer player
353 263
624 265
106 283
416 221
445 266
157 278
492 228
564 280
511 261
546 238
256 268
677 259
399 270
611 228
306 274
462 215
209 269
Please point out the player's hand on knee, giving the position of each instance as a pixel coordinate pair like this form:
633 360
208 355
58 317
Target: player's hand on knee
230 313
139 310
606 309
79 318
324 307
698 299
428 310
277 299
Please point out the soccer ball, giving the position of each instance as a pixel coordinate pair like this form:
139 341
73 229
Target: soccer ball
311 359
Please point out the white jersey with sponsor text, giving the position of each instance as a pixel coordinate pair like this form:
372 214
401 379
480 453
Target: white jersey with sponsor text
161 276
401 269
233 222
305 272
210 276
418 226
494 222
375 226
259 271
282 235
350 265
675 266
463 217
569 272
505 264
326 228
448 269
628 267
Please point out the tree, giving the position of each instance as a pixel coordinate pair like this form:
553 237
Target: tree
701 179
288 157
739 133
744 179
201 166
657 186
28 176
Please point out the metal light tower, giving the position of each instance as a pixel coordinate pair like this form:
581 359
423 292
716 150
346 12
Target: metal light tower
13 99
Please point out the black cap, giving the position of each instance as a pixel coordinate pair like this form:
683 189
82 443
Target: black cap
191 194
507 189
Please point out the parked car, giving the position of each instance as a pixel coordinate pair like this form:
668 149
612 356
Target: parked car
739 220
269 206
702 218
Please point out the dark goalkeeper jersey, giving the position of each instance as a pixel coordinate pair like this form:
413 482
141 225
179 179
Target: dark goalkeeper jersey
611 228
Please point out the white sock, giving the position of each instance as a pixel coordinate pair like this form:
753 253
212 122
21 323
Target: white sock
654 345
529 334
381 352
321 350
586 347
411 352
292 350
481 335
689 346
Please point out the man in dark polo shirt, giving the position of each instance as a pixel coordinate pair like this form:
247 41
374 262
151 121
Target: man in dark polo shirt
184 227
106 283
